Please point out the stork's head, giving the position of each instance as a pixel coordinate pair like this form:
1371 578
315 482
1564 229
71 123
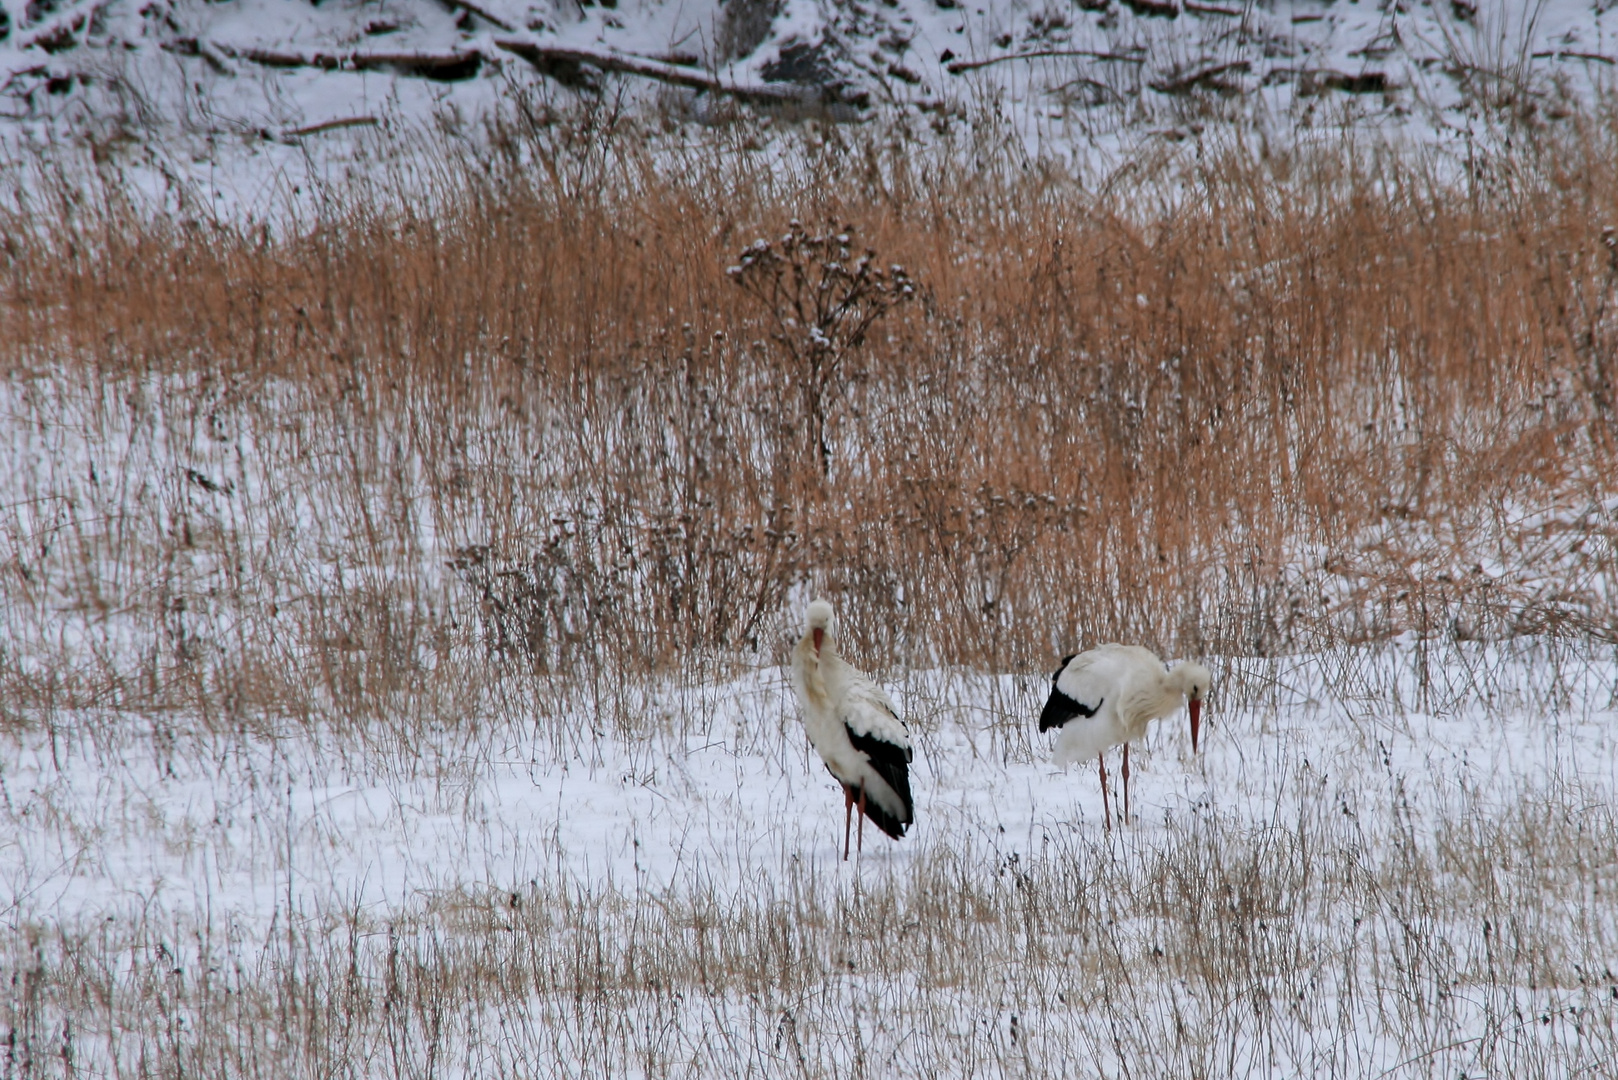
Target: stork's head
818 622
1192 679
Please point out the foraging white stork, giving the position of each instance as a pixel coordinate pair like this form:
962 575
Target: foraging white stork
855 728
1108 695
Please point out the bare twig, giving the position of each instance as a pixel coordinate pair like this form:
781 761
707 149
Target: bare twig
330 125
1570 54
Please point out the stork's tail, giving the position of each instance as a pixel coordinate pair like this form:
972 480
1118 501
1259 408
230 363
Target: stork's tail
886 821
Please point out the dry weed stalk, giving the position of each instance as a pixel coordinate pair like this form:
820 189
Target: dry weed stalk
822 302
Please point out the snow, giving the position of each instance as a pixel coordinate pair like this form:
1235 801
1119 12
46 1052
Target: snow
211 835
167 87
236 824
225 840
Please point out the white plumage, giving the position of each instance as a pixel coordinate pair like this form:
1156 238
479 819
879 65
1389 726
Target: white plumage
1107 696
855 728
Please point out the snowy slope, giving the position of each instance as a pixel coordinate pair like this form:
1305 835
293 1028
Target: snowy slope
1062 71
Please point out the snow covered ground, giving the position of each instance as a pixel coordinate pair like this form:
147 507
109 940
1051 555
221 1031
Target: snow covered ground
1397 858
209 848
230 824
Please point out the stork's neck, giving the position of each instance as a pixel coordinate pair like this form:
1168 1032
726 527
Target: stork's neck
1170 697
812 668
833 668
1150 703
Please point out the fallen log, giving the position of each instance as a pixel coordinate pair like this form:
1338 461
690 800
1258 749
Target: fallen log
446 66
1156 9
557 60
483 13
190 46
1569 54
329 125
1315 82
451 66
548 57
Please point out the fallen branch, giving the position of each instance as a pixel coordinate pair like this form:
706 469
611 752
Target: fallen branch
1156 9
551 59
459 64
330 125
1201 77
62 32
190 46
491 19
1313 82
437 65
283 59
1369 82
546 57
959 67
1094 84
1567 54
215 59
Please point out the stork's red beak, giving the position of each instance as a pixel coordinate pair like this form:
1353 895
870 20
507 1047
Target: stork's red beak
1195 707
819 634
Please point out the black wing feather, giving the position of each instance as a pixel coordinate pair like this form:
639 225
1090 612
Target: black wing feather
1059 708
892 764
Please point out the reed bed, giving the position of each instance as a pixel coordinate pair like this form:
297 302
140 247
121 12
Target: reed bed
1224 403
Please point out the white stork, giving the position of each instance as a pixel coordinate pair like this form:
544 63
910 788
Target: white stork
1108 695
855 728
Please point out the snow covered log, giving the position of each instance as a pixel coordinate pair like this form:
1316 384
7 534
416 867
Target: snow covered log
448 65
548 57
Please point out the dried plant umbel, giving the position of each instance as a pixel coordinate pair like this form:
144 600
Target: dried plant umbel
821 299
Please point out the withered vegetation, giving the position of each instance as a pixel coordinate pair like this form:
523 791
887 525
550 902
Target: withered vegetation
1220 403
477 458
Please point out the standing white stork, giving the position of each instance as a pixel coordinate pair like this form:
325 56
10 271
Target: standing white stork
855 728
1108 695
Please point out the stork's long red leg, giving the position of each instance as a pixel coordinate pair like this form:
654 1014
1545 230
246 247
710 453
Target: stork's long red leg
1106 807
1126 783
848 811
862 820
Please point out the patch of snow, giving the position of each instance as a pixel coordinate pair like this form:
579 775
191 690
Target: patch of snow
242 825
208 86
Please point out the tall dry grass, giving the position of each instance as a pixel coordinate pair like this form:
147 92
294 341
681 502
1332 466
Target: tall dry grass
1229 401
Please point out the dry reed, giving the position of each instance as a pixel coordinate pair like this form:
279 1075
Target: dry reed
1228 404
